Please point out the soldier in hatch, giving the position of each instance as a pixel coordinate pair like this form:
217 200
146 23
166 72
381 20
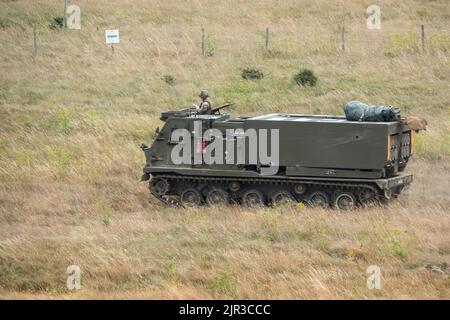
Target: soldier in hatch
205 105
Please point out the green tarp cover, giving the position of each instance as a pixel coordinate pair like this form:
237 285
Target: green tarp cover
359 111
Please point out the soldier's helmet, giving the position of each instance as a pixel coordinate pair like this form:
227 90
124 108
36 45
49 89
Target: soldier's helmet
203 94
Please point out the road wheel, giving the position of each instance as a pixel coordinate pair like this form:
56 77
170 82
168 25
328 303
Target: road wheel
191 197
253 198
345 201
217 197
319 199
159 186
282 197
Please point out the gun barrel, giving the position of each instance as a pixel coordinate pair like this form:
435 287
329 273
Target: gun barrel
221 107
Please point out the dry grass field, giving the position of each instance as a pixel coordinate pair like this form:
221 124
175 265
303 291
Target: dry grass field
73 117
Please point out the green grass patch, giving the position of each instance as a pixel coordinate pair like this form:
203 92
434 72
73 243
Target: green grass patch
432 146
225 282
65 120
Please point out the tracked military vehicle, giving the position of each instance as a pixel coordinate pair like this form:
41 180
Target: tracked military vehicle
324 161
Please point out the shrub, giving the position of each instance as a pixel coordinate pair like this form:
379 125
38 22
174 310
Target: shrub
305 77
210 46
389 55
65 120
250 74
57 23
170 80
225 282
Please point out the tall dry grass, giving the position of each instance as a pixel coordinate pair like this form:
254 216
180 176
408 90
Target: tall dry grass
73 117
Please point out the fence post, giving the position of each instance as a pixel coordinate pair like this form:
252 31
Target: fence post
422 29
203 41
34 43
266 46
65 14
343 38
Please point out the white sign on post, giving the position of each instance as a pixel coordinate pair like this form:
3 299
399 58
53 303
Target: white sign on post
112 36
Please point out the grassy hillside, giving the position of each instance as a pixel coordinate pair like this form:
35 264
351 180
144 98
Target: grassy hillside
72 118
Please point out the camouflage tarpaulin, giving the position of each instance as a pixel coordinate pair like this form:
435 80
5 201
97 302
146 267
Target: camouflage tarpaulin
359 111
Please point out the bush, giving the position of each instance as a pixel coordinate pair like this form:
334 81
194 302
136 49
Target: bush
250 74
170 80
210 46
305 77
65 120
57 23
225 282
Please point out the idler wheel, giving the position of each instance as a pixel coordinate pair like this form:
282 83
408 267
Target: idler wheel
345 201
253 198
191 197
319 199
217 197
282 197
367 197
159 186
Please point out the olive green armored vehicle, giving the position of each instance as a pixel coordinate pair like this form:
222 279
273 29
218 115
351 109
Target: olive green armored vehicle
324 161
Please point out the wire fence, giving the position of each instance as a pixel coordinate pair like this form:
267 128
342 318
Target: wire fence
275 42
